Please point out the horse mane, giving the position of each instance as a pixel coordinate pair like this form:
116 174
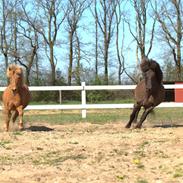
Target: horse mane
147 64
156 67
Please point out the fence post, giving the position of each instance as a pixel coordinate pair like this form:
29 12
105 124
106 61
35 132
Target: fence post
60 96
83 100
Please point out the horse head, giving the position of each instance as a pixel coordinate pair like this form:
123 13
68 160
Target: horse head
151 80
148 66
15 76
145 64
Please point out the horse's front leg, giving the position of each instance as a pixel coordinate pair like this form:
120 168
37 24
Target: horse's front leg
134 115
7 115
143 117
20 113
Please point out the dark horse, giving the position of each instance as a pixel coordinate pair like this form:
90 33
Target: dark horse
149 92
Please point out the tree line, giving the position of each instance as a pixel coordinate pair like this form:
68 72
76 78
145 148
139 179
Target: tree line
66 42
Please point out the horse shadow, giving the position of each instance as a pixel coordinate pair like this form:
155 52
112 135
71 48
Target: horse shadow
38 129
168 126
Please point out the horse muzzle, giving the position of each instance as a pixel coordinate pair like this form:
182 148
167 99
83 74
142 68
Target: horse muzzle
14 90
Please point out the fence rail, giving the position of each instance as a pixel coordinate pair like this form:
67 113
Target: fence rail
84 106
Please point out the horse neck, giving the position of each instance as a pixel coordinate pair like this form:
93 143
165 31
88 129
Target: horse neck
19 86
156 85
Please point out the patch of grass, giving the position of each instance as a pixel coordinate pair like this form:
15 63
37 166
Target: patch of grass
141 181
3 143
121 177
140 150
17 133
6 160
138 163
95 117
144 144
102 116
178 173
161 154
139 153
54 158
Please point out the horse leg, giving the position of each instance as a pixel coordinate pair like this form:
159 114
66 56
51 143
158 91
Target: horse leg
7 116
143 117
133 115
136 115
20 113
15 115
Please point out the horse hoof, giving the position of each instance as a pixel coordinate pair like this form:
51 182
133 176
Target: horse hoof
127 126
20 127
137 127
6 128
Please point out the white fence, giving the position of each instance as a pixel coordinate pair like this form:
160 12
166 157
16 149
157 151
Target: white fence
84 106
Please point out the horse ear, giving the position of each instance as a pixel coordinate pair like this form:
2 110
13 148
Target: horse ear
144 59
8 71
144 64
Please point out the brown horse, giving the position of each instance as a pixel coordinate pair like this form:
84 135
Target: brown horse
15 97
148 94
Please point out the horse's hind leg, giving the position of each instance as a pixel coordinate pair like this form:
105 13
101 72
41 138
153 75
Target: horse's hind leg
133 115
143 117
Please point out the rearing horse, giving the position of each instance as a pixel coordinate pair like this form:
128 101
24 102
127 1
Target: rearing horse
149 92
15 97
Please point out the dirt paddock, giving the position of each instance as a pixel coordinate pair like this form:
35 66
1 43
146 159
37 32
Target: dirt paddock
90 153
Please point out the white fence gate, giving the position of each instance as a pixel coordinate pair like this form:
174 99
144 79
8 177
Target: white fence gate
84 106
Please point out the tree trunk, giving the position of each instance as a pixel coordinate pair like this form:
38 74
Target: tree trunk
37 68
53 80
106 80
6 63
178 65
105 51
70 58
179 37
78 77
27 77
96 44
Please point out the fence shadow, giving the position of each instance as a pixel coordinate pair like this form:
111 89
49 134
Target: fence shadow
39 129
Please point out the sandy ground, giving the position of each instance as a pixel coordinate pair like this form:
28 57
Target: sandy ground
88 153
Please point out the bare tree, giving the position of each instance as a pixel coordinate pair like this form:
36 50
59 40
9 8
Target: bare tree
6 35
170 18
15 18
141 8
28 57
76 9
95 16
120 55
106 17
47 21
